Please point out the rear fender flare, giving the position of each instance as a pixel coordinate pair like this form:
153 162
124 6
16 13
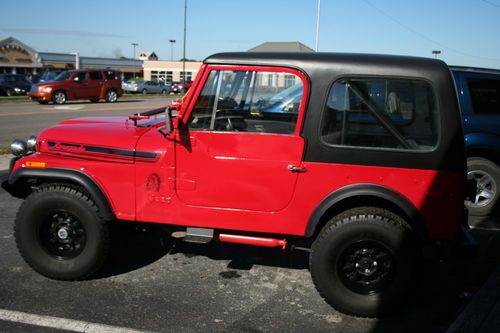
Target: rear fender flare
366 190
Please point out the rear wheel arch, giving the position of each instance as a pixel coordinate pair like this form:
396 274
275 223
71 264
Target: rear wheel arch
360 195
22 177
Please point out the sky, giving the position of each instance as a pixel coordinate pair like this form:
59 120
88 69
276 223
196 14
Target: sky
467 32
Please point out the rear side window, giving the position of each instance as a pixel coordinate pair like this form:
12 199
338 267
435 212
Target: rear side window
248 101
485 95
381 113
111 75
95 76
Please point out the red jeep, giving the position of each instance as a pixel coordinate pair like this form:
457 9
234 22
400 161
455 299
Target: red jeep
358 157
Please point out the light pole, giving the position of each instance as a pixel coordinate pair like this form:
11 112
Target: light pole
184 52
77 59
172 41
317 27
134 45
436 52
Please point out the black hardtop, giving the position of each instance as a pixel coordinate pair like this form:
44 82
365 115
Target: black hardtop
353 63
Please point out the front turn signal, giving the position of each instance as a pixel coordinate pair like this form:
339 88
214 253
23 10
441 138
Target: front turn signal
35 164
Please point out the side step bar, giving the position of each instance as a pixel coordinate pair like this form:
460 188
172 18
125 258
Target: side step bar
204 235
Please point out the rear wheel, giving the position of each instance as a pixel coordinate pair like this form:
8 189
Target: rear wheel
487 176
60 233
59 97
9 92
111 96
144 91
363 261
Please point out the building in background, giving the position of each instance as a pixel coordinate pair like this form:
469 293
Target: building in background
281 47
170 71
18 58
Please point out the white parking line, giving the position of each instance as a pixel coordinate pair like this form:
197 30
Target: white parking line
61 323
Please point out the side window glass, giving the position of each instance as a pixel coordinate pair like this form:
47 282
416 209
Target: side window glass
110 75
81 76
248 101
381 113
95 76
485 95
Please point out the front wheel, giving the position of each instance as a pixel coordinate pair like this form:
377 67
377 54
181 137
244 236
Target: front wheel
364 260
60 233
59 97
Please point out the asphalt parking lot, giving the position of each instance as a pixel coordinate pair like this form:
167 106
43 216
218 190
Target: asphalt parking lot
154 283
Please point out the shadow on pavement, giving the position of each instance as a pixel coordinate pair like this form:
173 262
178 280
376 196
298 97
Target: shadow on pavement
137 245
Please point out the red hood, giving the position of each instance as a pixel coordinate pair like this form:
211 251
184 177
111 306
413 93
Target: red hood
103 138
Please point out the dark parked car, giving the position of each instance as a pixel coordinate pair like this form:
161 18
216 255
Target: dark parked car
14 84
478 93
180 87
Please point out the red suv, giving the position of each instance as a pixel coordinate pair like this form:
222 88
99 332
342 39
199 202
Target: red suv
358 158
92 84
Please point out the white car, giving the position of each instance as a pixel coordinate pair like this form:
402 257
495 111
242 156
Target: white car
146 87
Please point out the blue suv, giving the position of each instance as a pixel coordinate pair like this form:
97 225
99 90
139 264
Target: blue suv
478 93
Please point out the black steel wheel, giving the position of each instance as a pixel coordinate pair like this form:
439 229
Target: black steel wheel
364 261
60 232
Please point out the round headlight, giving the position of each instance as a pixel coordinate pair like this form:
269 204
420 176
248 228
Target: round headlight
18 147
31 143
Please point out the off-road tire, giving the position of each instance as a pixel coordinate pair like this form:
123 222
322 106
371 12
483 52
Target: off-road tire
487 174
60 232
358 242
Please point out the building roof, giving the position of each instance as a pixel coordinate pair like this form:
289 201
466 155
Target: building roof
49 57
13 41
281 47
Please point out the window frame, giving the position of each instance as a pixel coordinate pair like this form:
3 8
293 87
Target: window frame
257 68
437 112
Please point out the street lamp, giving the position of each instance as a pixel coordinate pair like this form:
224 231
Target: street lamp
184 52
172 41
317 26
436 52
134 45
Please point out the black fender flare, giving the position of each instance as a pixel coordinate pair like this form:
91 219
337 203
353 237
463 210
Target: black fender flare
71 175
365 190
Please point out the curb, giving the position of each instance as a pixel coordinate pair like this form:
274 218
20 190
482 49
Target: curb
482 314
5 161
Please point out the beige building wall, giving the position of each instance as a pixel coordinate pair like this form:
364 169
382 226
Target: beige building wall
169 70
